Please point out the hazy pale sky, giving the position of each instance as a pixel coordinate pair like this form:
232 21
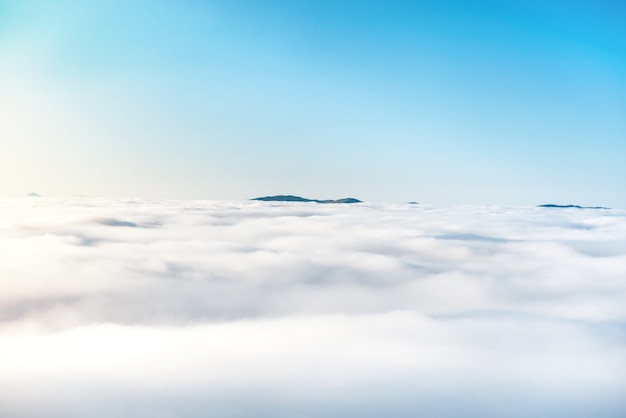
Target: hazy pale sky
517 102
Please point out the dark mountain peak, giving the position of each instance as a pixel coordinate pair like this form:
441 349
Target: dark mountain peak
344 200
552 205
292 198
33 194
283 198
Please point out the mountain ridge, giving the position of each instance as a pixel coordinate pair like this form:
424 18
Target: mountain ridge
293 198
552 205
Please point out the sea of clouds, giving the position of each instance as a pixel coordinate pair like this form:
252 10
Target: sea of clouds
144 308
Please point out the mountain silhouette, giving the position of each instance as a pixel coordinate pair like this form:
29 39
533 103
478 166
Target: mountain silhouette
552 205
292 198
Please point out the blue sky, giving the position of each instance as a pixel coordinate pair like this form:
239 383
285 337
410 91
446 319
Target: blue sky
460 102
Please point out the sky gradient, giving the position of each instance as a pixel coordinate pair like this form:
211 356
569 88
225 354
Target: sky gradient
455 102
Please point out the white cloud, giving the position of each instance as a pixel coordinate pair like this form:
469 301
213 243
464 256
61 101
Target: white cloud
173 308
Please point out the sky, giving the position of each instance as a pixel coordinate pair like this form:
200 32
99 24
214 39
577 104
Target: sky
445 102
188 309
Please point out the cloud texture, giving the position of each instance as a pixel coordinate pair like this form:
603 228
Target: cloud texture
113 308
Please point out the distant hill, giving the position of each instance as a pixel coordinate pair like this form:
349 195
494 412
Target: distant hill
283 198
344 200
291 198
551 205
33 194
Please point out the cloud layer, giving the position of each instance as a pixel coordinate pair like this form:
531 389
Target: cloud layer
140 308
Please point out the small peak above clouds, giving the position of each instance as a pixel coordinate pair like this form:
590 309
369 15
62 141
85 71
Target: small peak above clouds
552 205
292 198
33 194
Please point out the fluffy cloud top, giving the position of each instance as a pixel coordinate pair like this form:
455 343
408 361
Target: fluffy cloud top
114 308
